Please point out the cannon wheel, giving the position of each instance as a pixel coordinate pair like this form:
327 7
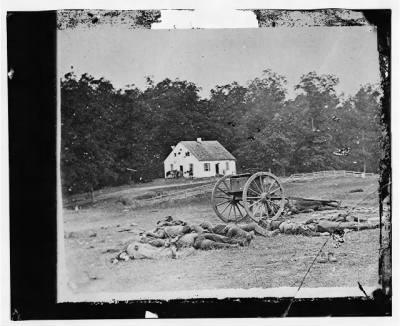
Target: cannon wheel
263 196
228 206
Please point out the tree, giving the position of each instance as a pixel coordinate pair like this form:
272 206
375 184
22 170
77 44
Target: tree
226 108
315 108
260 130
87 112
111 137
362 129
320 97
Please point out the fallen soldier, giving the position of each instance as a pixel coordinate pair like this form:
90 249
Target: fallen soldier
170 238
255 228
169 221
242 240
316 228
197 228
168 232
137 250
146 251
184 236
223 229
207 241
154 242
217 229
202 240
171 232
167 229
228 230
202 243
331 226
185 241
235 232
174 249
296 205
288 227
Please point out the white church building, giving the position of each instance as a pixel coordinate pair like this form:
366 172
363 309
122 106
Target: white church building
199 159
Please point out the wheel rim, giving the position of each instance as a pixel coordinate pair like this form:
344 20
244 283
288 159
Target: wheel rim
263 196
228 207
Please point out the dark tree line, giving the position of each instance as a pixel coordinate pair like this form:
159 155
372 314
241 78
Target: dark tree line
112 137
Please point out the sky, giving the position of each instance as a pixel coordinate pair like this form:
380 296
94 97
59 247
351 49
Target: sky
210 57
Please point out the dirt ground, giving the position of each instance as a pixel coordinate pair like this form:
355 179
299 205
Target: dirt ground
92 236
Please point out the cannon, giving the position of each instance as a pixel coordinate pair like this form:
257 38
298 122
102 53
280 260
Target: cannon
258 196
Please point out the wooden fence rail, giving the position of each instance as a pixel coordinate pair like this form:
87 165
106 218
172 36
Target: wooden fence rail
329 173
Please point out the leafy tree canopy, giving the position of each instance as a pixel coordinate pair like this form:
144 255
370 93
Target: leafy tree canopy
112 136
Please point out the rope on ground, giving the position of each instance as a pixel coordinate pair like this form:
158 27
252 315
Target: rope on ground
286 312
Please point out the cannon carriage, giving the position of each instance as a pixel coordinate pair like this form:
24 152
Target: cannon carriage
257 196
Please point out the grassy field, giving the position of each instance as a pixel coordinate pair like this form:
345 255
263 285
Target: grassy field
133 191
93 235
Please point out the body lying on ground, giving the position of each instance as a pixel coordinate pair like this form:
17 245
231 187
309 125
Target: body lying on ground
190 239
331 226
168 232
295 205
232 231
209 241
314 227
137 250
172 239
178 247
236 230
169 238
189 235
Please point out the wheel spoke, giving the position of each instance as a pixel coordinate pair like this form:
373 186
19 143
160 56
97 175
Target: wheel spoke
227 188
223 191
222 203
241 205
256 192
260 209
261 184
265 183
239 210
242 209
226 197
225 209
234 211
255 203
255 182
275 205
230 210
273 191
271 185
